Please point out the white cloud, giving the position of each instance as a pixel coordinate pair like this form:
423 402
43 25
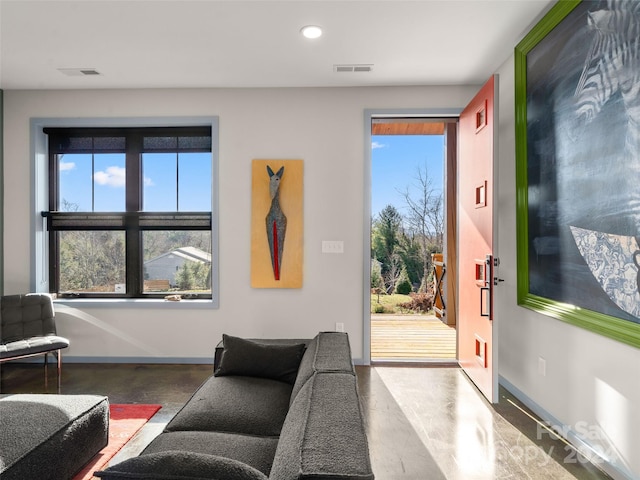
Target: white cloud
148 182
375 145
65 166
112 177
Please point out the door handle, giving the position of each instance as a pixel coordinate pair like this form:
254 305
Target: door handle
484 271
485 306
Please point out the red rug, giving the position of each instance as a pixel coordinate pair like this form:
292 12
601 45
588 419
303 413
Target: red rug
124 423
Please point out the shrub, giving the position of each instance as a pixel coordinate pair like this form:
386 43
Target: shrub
378 308
378 292
420 302
403 286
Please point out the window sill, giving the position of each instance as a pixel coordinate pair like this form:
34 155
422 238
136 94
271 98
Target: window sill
136 303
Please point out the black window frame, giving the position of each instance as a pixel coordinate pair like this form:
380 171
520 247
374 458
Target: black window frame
133 221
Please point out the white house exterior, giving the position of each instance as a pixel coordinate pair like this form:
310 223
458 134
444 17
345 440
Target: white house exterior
165 266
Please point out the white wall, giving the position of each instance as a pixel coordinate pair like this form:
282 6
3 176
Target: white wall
592 383
324 127
590 379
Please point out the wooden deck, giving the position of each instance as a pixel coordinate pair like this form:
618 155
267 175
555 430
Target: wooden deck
412 338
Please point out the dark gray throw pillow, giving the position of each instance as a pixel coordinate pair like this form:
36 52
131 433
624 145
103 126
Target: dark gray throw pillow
179 465
254 359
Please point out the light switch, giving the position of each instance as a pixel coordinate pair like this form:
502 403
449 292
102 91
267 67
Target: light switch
332 246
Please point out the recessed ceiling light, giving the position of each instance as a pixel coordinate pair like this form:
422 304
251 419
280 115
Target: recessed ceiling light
352 68
79 72
311 31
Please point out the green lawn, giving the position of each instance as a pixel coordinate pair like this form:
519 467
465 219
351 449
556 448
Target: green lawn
388 303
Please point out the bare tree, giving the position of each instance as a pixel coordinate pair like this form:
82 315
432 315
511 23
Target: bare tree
393 274
425 216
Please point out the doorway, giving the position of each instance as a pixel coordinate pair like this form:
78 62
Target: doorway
412 162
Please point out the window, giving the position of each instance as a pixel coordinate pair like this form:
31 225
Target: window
130 212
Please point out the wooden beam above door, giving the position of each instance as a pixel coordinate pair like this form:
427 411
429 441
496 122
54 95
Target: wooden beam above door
406 126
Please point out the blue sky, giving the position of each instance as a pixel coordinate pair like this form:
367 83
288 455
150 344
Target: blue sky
395 160
107 176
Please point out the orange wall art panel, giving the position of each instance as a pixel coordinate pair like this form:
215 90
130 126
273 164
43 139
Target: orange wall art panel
276 223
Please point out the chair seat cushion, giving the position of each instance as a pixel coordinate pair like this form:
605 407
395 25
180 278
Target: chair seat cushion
32 346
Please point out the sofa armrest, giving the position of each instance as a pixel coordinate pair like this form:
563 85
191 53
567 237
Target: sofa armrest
324 435
217 356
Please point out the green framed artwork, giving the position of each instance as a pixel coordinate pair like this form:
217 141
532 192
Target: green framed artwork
577 80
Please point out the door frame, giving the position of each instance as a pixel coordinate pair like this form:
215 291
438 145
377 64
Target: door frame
369 115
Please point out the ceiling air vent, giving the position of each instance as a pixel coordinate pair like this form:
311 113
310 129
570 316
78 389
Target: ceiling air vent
79 72
363 67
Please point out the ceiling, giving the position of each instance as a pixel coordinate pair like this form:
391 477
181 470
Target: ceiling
240 43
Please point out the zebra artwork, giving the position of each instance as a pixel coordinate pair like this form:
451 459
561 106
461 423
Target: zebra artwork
613 65
611 74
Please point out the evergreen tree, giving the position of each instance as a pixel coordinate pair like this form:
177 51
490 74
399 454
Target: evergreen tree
386 234
185 278
403 285
410 251
376 274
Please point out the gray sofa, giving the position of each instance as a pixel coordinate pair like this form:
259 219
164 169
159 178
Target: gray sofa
274 409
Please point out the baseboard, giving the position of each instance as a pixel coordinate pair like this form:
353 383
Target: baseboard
431 363
571 435
141 360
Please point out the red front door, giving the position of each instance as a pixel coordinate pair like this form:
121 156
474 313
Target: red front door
475 242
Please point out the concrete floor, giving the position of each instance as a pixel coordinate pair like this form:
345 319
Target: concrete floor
422 422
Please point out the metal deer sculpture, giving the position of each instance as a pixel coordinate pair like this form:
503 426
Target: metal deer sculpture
276 222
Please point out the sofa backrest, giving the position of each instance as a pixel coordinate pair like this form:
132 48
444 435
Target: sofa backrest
327 352
323 434
25 316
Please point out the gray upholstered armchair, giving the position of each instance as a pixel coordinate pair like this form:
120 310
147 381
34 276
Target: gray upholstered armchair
28 328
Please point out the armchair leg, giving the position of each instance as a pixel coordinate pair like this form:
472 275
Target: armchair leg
59 355
46 372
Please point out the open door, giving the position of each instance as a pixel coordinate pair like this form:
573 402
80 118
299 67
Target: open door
477 349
